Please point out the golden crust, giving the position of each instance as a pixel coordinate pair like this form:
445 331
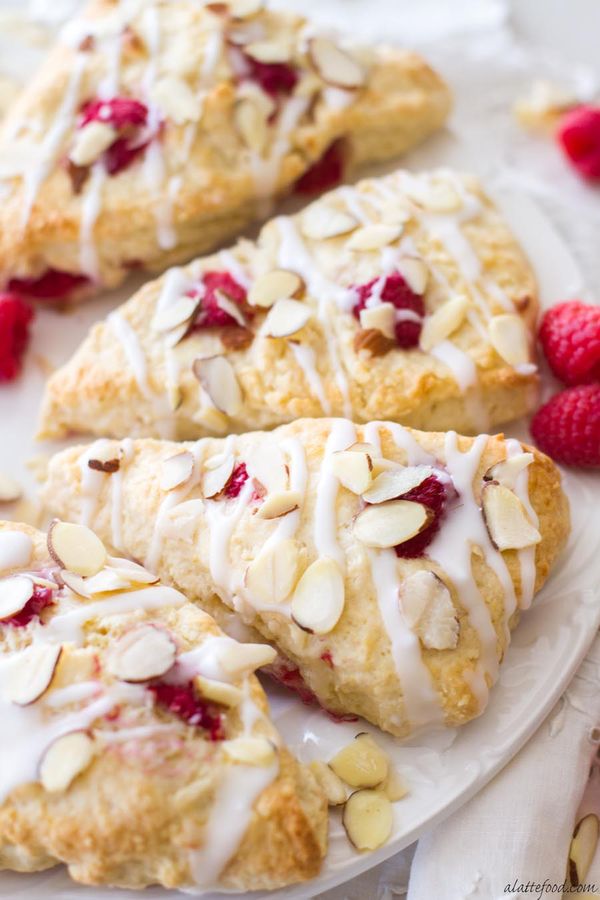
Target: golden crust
364 678
136 815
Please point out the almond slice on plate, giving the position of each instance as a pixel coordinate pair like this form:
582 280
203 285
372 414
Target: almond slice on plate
141 654
331 784
508 470
279 284
352 469
361 763
240 660
427 607
583 848
251 751
176 470
373 236
272 576
394 482
65 759
440 324
334 65
76 548
506 519
368 819
175 314
31 673
381 317
216 479
218 691
415 272
279 504
15 592
318 600
286 317
394 786
322 221
392 523
217 377
509 338
10 490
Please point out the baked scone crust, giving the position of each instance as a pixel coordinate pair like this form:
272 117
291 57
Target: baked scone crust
355 668
138 812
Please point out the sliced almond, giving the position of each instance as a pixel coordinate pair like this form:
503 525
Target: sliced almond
352 469
75 583
175 314
135 573
394 786
272 576
251 751
506 518
509 338
251 124
427 607
76 548
322 221
436 196
15 592
212 420
368 819
373 236
286 317
270 51
508 470
279 284
583 849
31 673
141 654
381 317
415 272
10 490
279 504
214 480
105 582
176 470
361 763
445 320
334 65
318 600
175 99
331 784
228 306
392 483
373 342
392 523
65 759
244 9
363 447
240 660
218 378
218 691
91 141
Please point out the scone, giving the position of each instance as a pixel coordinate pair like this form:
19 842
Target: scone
136 742
403 298
156 130
387 565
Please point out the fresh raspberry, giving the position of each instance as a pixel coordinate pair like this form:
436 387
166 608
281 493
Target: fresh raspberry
238 479
52 285
325 173
430 493
274 78
570 338
567 427
130 118
211 314
41 598
182 701
397 292
579 137
15 318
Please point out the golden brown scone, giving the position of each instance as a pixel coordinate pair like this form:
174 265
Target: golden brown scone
277 525
156 131
137 744
456 353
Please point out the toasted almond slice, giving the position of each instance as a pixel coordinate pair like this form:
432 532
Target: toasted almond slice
583 848
65 759
368 819
31 673
382 317
352 469
15 592
218 691
231 308
331 784
427 607
90 142
286 317
240 660
251 124
392 483
279 504
322 221
392 523
104 582
334 65
439 197
508 470
132 571
506 519
175 314
363 447
361 763
176 470
415 272
272 576
373 342
10 490
217 377
141 654
373 236
270 51
440 325
75 583
244 9
279 284
214 480
318 601
76 548
509 338
251 751
394 786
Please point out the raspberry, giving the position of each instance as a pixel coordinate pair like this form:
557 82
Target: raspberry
211 314
15 317
579 137
182 701
567 427
274 78
430 493
52 285
570 338
397 292
39 600
325 173
129 117
238 479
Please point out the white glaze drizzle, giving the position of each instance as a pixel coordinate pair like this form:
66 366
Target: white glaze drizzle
306 358
341 436
116 487
171 499
460 363
222 519
92 480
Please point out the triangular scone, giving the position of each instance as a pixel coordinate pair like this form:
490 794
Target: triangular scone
157 129
306 531
136 742
404 298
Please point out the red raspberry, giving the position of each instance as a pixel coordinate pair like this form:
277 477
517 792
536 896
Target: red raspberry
129 117
325 173
182 701
430 493
274 78
567 427
39 600
570 338
15 318
579 137
397 292
211 314
238 479
52 285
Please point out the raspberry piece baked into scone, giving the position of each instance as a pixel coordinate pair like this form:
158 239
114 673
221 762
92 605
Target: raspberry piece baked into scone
155 131
386 565
404 298
136 741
